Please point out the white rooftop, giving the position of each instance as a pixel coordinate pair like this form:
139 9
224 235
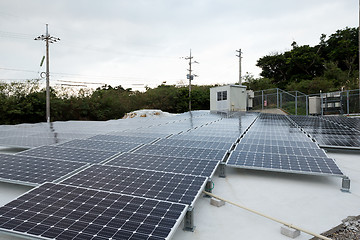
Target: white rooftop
314 203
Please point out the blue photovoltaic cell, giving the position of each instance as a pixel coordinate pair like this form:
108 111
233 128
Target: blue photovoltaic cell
194 144
61 212
100 145
315 152
204 138
119 138
197 167
283 143
333 132
144 183
286 163
194 153
69 154
272 143
32 171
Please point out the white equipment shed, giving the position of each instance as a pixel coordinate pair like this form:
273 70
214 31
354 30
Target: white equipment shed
228 98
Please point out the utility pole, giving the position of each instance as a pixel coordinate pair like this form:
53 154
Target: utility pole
48 39
359 55
190 76
239 56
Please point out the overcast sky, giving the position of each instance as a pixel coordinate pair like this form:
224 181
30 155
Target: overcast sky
134 43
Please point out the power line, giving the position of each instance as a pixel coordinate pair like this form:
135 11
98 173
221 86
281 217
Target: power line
4 34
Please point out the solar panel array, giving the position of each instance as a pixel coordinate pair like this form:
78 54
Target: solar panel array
57 211
69 154
32 171
188 152
135 179
171 187
262 148
100 145
197 167
142 192
332 131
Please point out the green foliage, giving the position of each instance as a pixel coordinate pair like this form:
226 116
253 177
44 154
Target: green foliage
330 65
25 102
257 84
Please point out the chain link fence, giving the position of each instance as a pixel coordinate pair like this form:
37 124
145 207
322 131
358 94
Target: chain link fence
297 103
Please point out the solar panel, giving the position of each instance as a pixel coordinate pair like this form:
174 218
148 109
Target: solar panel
171 187
29 141
100 145
55 211
353 123
69 154
194 144
330 131
338 141
234 133
204 138
33 171
119 138
194 153
197 167
140 132
285 163
250 135
315 152
273 142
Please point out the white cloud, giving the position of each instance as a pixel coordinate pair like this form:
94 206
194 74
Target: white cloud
141 41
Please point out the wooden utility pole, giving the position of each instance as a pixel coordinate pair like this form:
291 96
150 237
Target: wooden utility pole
190 76
48 39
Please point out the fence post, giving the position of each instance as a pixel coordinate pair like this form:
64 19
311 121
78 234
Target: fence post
281 100
296 102
307 104
277 98
262 99
347 102
321 103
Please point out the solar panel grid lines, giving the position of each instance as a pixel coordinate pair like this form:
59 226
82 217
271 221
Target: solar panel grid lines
173 187
329 132
195 144
69 154
100 145
284 163
29 141
273 142
195 153
277 137
353 123
57 211
315 152
196 167
140 133
185 136
119 138
33 171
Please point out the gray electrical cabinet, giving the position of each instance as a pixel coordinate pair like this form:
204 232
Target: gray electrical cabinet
314 105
